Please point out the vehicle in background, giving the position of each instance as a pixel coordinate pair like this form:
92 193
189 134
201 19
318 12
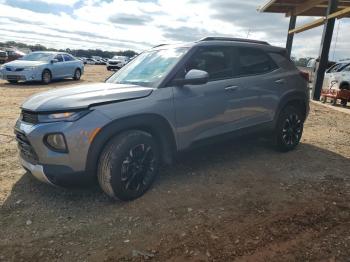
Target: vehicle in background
336 84
3 56
90 61
83 59
117 62
312 67
14 54
337 76
166 100
96 58
42 66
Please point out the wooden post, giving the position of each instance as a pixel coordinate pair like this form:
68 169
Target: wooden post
290 36
324 51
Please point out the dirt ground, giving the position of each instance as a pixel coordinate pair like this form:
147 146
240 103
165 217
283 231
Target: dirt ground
236 201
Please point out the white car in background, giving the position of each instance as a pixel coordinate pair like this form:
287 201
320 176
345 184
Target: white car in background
90 61
117 62
338 77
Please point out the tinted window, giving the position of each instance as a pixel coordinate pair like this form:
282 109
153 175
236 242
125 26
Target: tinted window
254 61
59 58
67 57
214 60
347 68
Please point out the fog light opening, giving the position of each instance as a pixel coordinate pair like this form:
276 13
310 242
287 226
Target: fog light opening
56 142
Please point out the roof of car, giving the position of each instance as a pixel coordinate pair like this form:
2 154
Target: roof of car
212 41
51 52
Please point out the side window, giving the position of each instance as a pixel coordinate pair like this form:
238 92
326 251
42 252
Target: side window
347 69
254 61
214 60
67 58
59 58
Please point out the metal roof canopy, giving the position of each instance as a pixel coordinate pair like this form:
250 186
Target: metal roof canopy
307 8
329 10
302 7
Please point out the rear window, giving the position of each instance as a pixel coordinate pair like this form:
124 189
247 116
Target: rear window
67 58
253 61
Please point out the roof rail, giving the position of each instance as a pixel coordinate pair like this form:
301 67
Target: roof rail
233 39
159 45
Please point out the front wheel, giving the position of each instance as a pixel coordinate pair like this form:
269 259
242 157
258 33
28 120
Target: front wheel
289 129
12 81
46 77
128 165
77 74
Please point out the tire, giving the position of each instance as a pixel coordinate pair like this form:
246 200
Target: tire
334 101
128 165
12 81
344 86
108 68
46 77
77 74
323 99
289 129
344 102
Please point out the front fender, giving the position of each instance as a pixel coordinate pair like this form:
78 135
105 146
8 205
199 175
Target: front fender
158 126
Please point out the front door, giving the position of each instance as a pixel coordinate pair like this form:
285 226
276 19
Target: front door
58 67
204 110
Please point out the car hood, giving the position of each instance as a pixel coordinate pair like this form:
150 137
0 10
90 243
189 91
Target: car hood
83 96
25 63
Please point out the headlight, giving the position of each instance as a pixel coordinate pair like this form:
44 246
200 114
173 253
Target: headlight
56 142
29 68
64 116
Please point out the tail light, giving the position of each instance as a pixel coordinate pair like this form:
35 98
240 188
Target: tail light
305 75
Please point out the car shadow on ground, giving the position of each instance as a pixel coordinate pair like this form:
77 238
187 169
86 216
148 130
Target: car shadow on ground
229 162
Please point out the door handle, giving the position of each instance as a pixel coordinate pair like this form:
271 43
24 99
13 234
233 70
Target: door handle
280 81
231 88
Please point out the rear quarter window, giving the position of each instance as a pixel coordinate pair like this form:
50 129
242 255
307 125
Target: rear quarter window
282 61
253 61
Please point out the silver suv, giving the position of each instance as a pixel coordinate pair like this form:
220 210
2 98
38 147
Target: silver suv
166 100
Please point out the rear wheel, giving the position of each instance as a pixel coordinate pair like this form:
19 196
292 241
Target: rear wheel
344 102
289 129
344 86
77 74
323 99
46 77
12 81
128 165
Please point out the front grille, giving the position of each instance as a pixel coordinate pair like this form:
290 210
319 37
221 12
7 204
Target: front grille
29 117
15 77
19 69
26 150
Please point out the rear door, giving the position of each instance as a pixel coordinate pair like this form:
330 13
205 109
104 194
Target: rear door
69 65
261 83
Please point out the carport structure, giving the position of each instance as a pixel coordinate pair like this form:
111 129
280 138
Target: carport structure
327 10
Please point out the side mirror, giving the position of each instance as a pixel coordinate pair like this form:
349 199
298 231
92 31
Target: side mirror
54 61
193 77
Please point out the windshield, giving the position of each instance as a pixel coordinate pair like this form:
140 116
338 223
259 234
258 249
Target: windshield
37 57
149 68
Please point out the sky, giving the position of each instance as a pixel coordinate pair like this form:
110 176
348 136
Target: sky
138 25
